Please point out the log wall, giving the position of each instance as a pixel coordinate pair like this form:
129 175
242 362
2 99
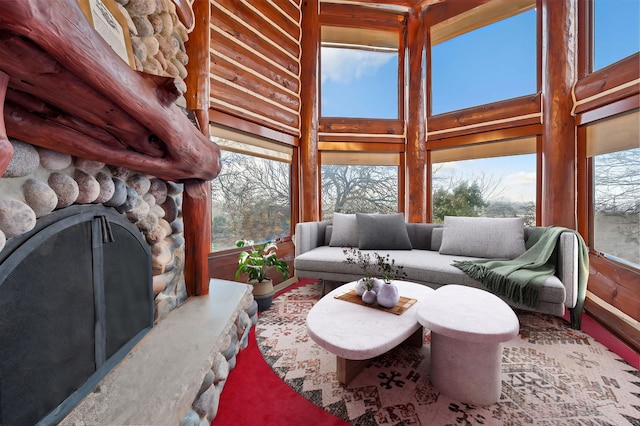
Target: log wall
255 62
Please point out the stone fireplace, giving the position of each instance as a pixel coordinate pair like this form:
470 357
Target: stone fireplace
92 256
76 288
105 150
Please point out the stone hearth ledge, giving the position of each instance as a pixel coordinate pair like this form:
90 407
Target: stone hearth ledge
159 380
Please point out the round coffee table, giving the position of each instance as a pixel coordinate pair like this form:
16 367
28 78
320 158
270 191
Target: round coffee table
468 326
356 333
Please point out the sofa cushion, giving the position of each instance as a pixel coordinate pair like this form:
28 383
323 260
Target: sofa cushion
420 234
494 238
382 232
345 231
436 239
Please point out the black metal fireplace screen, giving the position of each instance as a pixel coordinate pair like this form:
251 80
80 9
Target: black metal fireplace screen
75 297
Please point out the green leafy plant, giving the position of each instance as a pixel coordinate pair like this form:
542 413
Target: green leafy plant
259 259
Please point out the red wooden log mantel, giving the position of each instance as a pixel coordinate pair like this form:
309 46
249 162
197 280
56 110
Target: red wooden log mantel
6 149
165 142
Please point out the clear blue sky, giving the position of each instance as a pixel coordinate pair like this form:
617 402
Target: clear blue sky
486 65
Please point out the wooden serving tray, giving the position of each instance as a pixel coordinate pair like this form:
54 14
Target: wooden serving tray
403 304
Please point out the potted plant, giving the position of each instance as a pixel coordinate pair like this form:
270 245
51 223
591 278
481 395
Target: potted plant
256 264
362 259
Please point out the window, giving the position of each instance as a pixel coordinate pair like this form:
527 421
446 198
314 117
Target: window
475 181
616 27
359 183
251 195
614 146
489 64
358 73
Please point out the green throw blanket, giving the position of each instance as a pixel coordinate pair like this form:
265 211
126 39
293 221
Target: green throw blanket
519 280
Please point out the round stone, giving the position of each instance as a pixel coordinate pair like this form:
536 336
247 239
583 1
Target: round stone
159 283
158 189
119 172
139 210
119 193
129 202
139 48
139 183
157 210
206 405
152 45
3 240
24 161
191 419
88 187
148 222
143 26
149 199
174 188
177 226
167 227
170 209
65 188
16 217
54 160
39 196
107 187
89 166
157 234
140 7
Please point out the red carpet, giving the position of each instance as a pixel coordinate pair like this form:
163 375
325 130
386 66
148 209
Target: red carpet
254 395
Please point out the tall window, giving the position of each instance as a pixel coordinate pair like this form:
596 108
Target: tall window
358 73
489 64
614 146
251 195
616 27
359 183
475 181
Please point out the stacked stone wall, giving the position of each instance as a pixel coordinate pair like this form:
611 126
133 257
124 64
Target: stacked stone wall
157 39
39 181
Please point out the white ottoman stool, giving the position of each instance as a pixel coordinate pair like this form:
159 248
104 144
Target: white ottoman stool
468 327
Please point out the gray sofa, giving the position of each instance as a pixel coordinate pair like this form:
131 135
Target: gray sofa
319 254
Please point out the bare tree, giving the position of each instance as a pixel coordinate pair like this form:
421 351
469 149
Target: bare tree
355 188
250 199
617 182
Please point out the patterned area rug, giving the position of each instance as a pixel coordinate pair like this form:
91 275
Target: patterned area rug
551 375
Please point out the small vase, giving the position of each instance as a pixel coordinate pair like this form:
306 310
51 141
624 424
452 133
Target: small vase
388 295
377 284
361 286
369 296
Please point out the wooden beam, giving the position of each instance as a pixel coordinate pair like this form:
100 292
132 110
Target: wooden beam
559 39
196 212
196 205
482 14
605 86
309 194
416 157
38 78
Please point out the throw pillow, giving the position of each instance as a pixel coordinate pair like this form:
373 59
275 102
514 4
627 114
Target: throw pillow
382 232
436 239
493 238
345 231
